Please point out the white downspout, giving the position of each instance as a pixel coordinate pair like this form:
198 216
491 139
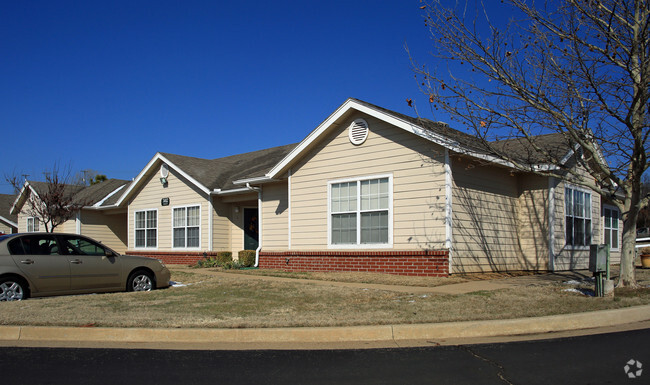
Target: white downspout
551 223
259 222
448 209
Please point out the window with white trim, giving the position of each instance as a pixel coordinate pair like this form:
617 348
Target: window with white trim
577 209
186 226
610 227
360 212
32 224
146 228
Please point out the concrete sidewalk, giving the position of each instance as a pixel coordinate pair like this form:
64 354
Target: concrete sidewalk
317 338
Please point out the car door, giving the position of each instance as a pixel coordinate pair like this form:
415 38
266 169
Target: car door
38 257
90 266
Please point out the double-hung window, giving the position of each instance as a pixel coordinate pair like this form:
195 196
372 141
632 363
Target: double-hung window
186 222
577 209
611 216
146 228
360 212
32 224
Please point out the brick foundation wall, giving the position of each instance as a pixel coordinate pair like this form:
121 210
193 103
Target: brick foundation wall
425 263
173 257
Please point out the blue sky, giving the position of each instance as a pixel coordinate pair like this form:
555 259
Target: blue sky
104 85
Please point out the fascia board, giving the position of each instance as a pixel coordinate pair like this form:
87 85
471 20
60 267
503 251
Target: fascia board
258 180
8 221
232 191
98 204
138 180
22 197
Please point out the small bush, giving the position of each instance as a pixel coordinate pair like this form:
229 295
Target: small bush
208 262
645 250
224 257
247 258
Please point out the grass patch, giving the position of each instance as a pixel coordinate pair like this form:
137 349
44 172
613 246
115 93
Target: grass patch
230 302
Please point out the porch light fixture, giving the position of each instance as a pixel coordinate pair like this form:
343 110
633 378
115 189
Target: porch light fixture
163 181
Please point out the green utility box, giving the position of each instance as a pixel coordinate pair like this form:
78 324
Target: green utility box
598 258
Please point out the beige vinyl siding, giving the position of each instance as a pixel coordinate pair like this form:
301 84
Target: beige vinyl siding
108 228
418 184
69 226
533 226
5 228
275 214
180 192
221 226
485 200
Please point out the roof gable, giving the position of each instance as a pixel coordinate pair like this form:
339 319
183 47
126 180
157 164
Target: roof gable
436 132
92 196
210 175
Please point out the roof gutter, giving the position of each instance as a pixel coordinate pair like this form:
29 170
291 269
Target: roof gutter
258 190
256 180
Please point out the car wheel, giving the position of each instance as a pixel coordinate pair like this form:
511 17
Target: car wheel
140 281
12 289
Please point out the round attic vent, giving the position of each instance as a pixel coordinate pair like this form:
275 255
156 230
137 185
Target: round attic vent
358 131
164 170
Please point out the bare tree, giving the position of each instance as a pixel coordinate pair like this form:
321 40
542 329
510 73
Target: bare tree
53 201
578 68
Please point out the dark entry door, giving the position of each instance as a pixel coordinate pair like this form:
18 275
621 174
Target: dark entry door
251 231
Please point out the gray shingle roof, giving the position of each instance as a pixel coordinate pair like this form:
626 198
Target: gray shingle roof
221 172
6 201
90 195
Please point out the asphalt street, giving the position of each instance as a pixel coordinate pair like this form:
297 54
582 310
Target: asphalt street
594 359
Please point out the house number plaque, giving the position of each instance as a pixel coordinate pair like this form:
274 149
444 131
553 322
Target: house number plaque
164 201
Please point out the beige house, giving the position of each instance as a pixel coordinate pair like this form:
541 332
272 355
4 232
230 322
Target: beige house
99 218
368 190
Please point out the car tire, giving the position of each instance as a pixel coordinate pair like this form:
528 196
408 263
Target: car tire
13 289
140 280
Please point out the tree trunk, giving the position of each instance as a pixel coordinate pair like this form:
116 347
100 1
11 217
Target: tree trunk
628 250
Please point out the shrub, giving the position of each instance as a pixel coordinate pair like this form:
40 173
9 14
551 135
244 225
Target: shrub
208 262
224 257
644 250
247 258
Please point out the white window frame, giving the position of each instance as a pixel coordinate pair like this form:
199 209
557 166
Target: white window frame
360 245
618 228
135 229
185 207
591 217
35 224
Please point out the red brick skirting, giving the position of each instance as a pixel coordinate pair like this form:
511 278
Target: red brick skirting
418 263
174 257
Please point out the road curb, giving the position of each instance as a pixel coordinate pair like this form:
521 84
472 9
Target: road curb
510 327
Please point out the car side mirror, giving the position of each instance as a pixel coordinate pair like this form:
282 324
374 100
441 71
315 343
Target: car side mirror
109 253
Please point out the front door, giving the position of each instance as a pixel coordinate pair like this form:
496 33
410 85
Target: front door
251 231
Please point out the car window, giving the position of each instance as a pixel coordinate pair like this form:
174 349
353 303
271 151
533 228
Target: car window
82 246
34 245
